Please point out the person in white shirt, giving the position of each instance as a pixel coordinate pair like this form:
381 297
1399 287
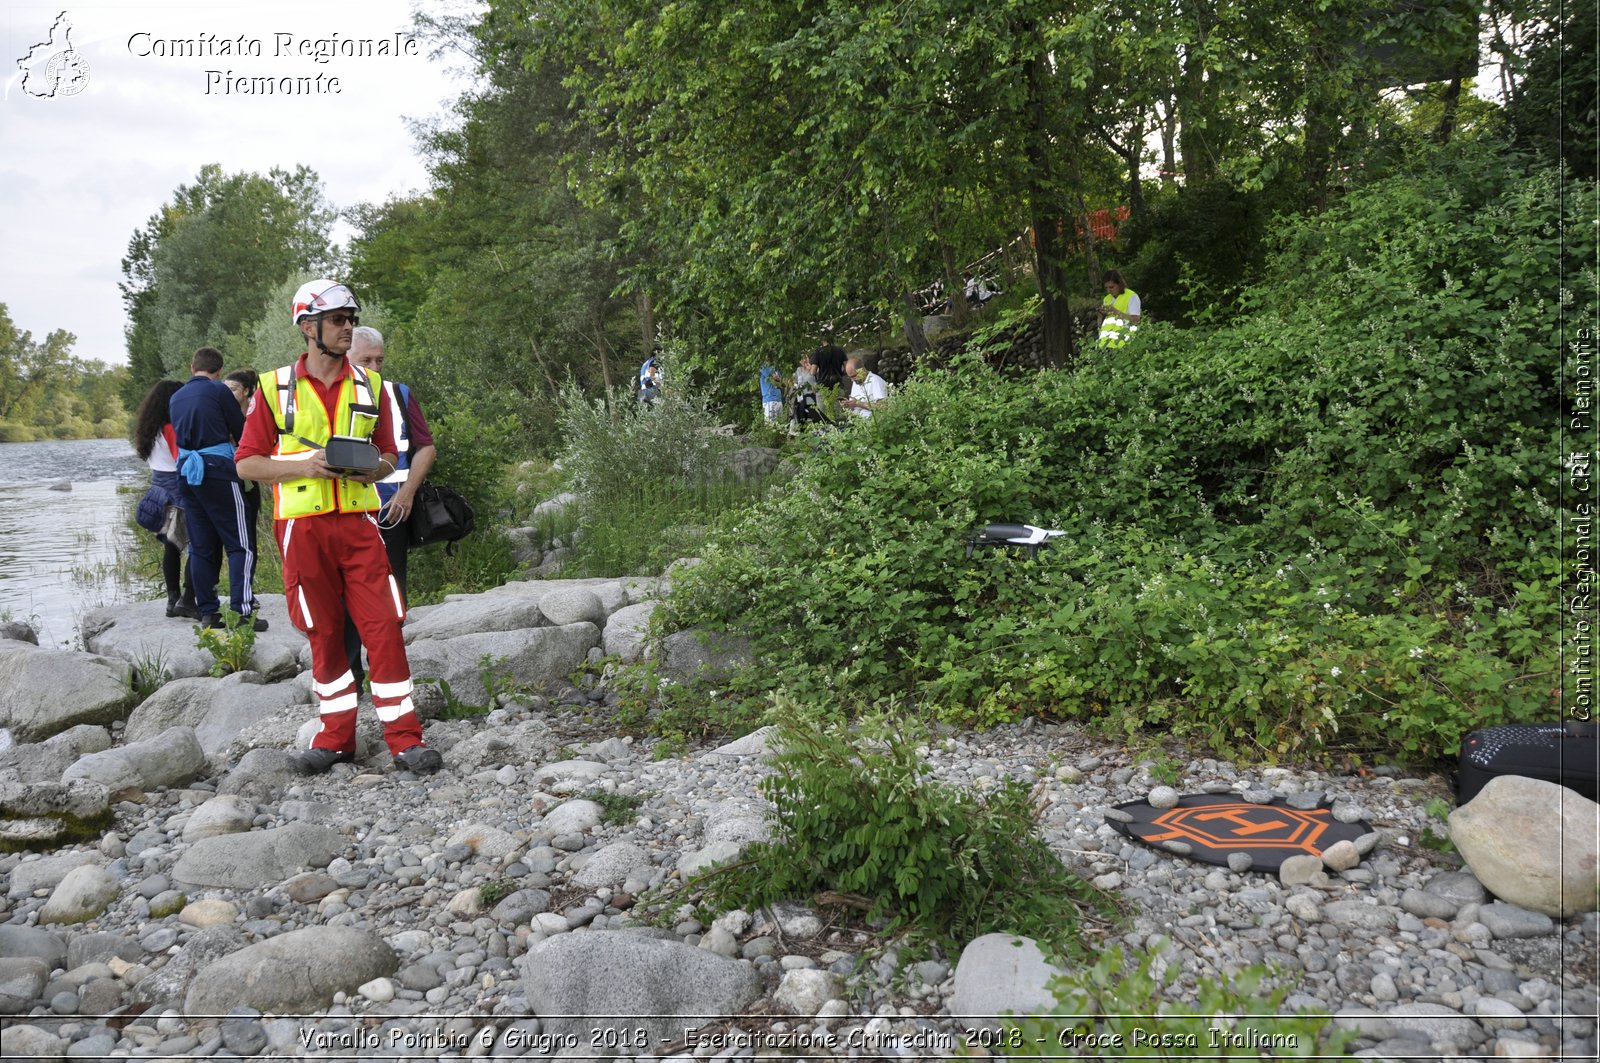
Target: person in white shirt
868 390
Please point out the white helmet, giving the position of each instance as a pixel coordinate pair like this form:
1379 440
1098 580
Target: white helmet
319 297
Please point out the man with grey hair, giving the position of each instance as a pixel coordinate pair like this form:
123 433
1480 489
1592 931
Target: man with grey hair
415 455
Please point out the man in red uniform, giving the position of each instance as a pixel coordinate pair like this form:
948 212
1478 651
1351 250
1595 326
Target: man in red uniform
334 563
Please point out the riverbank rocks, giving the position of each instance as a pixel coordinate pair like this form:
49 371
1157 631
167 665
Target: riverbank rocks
294 972
529 657
625 632
750 464
258 858
22 979
14 629
216 709
1000 974
223 814
665 985
83 893
142 634
707 654
43 692
42 815
19 941
1532 843
171 758
45 761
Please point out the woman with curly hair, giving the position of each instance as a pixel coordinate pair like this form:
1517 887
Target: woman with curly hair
157 445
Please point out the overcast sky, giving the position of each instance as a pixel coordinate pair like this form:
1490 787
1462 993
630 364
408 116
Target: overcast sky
79 173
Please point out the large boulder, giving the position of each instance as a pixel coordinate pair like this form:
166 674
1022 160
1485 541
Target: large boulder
573 605
707 654
529 657
223 814
142 634
169 984
82 894
573 979
998 975
37 762
292 973
43 692
47 872
515 605
613 865
1532 843
22 979
19 941
171 758
470 614
257 859
217 709
625 632
749 464
48 815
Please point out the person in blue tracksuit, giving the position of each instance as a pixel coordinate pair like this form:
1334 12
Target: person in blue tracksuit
207 421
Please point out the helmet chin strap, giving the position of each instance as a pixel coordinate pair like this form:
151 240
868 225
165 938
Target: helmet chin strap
317 339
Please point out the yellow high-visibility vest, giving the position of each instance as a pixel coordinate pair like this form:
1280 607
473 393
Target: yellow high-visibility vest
1114 331
298 411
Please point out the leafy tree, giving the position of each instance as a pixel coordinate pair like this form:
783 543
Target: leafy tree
47 392
202 264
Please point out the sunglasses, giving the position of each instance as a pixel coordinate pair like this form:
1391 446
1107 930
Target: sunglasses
339 320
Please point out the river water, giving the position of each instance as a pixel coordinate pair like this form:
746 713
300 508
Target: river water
59 549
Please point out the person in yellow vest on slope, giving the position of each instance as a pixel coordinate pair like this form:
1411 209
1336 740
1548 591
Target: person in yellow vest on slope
1119 313
334 562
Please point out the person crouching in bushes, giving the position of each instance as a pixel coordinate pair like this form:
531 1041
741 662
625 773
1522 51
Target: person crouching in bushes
157 445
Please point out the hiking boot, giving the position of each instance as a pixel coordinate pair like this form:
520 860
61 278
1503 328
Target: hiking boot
420 759
316 761
184 609
214 621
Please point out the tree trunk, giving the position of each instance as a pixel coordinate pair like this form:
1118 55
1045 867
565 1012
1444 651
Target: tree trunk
913 324
954 289
1048 221
1196 113
597 323
647 321
1452 103
1136 207
1089 254
1169 143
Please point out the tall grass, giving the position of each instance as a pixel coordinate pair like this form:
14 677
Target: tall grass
647 479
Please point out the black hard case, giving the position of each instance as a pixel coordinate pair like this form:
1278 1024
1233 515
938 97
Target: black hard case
1566 754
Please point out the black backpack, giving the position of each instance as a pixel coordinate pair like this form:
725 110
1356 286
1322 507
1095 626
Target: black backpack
439 514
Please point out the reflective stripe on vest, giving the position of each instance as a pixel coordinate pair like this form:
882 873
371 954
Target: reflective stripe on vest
297 410
402 440
1114 331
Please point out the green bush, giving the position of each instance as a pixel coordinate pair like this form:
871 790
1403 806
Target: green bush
648 480
474 456
858 814
1332 521
230 645
1117 1008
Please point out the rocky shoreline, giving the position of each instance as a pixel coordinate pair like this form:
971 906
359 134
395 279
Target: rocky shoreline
512 905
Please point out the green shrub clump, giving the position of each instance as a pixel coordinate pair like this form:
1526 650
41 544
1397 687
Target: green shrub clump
856 814
1118 1008
647 479
1331 521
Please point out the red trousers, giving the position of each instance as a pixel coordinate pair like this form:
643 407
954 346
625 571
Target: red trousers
334 563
